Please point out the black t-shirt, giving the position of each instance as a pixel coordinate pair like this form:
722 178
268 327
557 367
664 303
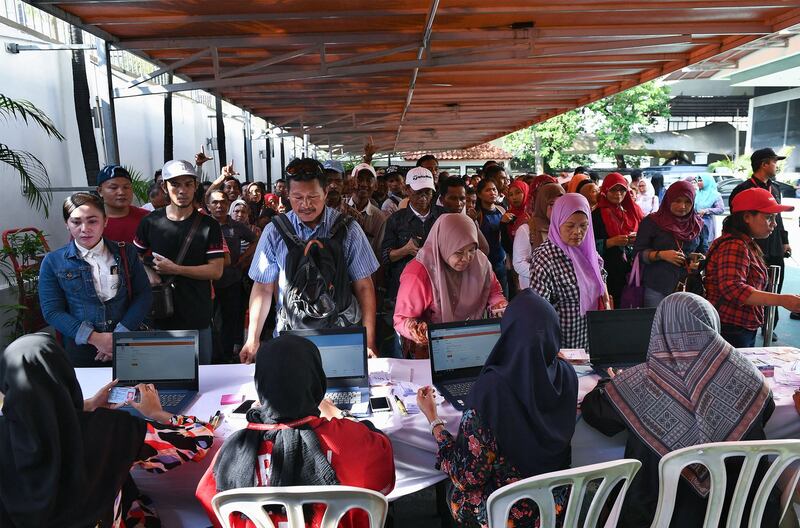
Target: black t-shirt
234 232
192 297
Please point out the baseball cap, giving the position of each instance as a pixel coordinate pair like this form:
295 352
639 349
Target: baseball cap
420 178
334 165
112 171
175 168
757 199
363 166
764 154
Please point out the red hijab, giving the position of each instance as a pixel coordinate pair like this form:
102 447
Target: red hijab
521 216
534 186
621 219
684 228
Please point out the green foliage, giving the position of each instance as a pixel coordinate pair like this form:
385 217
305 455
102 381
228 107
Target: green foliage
31 171
140 184
555 135
740 167
28 250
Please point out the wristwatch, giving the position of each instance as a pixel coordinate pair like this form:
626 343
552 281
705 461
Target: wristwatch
345 414
436 423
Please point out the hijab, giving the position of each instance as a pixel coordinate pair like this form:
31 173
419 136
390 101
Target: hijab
708 195
572 185
534 186
540 224
459 295
525 393
645 200
290 383
693 377
683 228
520 215
623 218
235 204
59 466
585 259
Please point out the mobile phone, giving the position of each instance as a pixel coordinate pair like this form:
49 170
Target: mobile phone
380 404
244 407
124 395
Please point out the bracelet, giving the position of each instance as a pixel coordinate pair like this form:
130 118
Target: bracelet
656 257
436 423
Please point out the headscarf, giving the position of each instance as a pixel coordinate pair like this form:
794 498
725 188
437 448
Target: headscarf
622 219
708 195
525 393
290 383
59 465
585 259
520 215
540 224
534 187
694 388
645 200
462 295
684 228
234 204
572 185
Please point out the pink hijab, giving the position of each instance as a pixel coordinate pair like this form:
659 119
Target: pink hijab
458 296
585 260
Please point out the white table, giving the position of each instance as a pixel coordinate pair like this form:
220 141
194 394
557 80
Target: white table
414 447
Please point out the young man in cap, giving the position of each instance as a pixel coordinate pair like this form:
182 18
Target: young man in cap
371 219
776 247
396 186
159 239
115 187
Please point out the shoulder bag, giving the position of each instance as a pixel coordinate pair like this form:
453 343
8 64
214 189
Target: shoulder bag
163 294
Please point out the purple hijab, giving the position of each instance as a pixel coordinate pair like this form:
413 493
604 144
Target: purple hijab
585 260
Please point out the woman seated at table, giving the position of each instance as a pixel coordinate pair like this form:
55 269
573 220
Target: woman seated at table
65 461
519 417
689 408
92 287
668 243
567 271
295 438
449 280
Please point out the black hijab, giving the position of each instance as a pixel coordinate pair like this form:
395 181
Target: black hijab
59 466
525 393
291 384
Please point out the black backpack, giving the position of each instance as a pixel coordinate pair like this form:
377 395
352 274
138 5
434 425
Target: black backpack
318 293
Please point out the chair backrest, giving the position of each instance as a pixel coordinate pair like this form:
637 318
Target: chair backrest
338 499
540 489
713 457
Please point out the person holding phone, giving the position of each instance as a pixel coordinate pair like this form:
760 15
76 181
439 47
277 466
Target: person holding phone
92 287
448 280
65 461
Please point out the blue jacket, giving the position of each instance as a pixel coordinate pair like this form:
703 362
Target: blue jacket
69 301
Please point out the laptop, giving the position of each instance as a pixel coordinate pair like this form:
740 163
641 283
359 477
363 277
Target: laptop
166 358
344 360
458 352
618 338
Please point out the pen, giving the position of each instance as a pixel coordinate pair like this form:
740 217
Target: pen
401 405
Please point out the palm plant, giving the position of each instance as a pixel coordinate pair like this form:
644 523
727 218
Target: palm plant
31 171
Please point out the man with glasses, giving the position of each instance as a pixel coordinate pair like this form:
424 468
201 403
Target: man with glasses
310 219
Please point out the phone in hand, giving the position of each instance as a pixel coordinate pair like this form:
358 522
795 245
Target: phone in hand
124 395
380 404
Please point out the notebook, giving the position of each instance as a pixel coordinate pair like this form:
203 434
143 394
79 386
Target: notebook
458 352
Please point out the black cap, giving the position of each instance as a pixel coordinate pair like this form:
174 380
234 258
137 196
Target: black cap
764 154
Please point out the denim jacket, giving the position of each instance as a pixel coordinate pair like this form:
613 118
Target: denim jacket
70 303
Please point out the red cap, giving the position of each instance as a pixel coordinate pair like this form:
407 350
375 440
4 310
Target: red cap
757 199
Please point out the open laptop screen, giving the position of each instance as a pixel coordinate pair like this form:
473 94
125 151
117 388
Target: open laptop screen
462 348
155 356
342 354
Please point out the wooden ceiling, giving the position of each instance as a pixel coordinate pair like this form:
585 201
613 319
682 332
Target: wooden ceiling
416 75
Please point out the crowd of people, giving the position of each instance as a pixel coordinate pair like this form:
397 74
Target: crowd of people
394 250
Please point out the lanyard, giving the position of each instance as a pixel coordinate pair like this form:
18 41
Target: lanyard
272 427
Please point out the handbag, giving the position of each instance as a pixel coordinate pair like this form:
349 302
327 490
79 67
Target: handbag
163 306
633 292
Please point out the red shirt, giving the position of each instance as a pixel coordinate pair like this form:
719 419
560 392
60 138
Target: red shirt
123 229
359 456
733 272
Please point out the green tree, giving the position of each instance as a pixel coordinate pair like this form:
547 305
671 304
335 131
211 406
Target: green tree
555 136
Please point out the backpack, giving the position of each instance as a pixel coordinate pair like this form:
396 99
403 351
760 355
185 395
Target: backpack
318 293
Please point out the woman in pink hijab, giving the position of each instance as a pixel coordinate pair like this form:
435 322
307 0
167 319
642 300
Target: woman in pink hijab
449 280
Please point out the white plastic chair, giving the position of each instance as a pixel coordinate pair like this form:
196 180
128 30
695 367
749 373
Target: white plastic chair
713 457
540 489
338 499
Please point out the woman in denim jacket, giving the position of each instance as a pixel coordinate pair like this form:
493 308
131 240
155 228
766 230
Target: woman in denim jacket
87 290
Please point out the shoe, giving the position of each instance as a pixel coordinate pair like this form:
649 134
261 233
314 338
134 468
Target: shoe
794 315
774 337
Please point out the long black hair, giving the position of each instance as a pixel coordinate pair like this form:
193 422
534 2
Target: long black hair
735 225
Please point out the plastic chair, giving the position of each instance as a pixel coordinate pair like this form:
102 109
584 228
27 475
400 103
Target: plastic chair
338 499
540 490
713 457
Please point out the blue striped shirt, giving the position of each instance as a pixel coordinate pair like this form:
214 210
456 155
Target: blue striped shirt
270 256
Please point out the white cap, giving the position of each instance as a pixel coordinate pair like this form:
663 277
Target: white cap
175 168
362 166
420 178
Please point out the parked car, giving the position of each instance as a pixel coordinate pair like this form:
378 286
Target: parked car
728 184
673 173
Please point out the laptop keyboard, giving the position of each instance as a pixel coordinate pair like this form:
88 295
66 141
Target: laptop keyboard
459 389
344 398
170 400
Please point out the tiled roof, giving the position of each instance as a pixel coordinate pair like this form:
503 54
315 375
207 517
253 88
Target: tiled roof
486 151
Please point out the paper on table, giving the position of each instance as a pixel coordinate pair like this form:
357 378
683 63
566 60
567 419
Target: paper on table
360 409
380 377
574 355
400 372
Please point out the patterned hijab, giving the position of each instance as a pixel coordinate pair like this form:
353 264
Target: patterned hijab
691 379
619 219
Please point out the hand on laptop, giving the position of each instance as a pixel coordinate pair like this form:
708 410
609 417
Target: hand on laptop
150 404
328 410
498 309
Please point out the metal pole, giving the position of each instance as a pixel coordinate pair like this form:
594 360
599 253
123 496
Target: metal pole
774 278
107 103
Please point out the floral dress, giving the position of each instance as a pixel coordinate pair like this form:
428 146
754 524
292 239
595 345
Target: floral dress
476 469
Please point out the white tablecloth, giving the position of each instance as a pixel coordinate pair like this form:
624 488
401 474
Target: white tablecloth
414 447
